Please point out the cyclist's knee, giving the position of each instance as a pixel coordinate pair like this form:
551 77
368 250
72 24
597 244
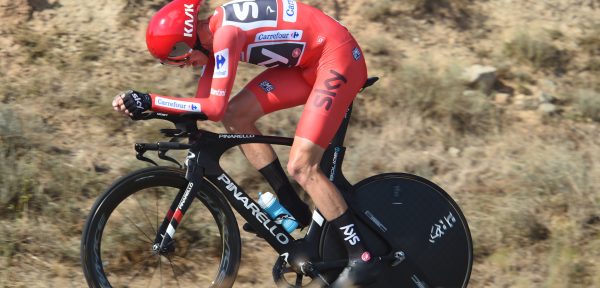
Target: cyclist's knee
243 110
232 119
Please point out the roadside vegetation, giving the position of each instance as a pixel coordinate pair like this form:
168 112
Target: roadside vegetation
528 181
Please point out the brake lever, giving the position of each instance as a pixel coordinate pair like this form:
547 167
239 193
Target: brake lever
140 156
140 149
162 154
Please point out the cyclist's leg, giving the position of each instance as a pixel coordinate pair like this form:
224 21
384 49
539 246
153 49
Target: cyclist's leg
340 75
263 95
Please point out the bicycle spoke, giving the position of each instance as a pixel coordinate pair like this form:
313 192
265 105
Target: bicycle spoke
187 268
126 243
145 214
161 273
173 270
287 269
156 197
138 271
138 228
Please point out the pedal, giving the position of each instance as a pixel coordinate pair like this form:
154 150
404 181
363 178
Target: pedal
398 258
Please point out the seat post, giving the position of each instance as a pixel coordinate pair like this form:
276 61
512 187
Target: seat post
340 135
338 139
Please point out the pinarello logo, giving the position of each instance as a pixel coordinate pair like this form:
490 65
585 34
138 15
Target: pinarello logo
366 256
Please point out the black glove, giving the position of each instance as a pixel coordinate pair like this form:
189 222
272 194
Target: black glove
137 102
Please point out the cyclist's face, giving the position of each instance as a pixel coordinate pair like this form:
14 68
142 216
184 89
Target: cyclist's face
197 59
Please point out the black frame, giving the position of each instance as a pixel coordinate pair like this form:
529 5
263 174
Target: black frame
204 152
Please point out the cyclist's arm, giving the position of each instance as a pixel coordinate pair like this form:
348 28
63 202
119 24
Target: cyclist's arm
175 105
219 75
227 46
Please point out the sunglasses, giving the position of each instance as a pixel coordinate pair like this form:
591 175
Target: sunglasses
180 55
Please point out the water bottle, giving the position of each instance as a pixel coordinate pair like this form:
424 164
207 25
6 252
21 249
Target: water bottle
277 212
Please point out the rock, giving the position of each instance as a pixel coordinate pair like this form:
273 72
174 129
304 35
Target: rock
524 102
544 97
470 93
480 77
548 85
502 98
453 151
548 109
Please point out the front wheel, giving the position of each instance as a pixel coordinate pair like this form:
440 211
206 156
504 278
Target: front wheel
116 246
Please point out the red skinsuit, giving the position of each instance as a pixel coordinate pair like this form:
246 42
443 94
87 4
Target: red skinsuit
313 60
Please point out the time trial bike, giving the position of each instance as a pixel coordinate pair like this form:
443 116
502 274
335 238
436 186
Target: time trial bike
170 226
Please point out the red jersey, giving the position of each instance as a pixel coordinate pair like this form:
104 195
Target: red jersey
269 33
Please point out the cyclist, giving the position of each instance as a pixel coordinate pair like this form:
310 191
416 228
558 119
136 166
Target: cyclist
312 60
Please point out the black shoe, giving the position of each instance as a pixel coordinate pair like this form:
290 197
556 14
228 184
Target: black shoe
358 273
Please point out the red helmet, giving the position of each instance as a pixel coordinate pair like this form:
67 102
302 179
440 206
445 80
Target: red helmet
171 32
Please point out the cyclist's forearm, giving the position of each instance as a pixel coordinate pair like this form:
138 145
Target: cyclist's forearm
174 105
213 107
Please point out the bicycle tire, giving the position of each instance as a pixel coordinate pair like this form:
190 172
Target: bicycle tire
406 209
208 233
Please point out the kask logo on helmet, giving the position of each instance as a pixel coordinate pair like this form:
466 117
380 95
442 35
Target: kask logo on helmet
188 29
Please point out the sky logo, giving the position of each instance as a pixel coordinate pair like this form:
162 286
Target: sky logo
221 64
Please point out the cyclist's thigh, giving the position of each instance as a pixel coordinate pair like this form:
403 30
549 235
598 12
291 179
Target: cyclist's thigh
279 88
340 76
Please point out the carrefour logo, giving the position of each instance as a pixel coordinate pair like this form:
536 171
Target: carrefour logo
289 11
221 64
176 104
278 35
220 61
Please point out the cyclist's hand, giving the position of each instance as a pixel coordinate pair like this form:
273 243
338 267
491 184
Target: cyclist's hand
132 103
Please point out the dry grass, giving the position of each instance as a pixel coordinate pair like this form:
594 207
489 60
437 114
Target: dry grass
537 50
588 102
438 94
531 197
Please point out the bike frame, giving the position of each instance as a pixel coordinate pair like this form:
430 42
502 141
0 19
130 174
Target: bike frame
204 152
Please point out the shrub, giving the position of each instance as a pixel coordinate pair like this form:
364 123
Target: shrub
588 102
30 169
378 10
456 10
590 42
439 95
16 169
537 51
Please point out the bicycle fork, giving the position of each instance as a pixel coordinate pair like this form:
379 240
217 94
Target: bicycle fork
181 203
166 232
